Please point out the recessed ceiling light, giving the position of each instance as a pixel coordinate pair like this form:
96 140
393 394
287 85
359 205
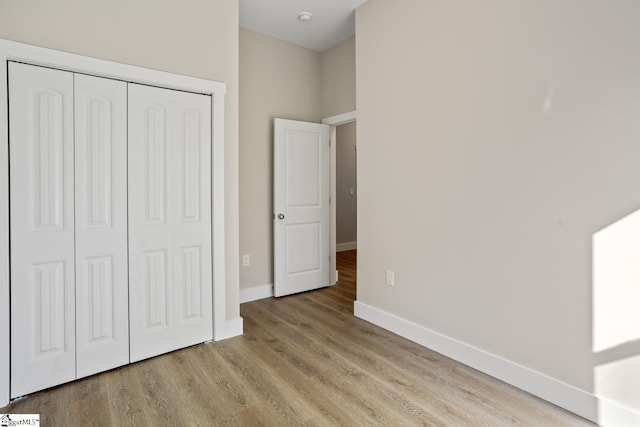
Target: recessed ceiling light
304 17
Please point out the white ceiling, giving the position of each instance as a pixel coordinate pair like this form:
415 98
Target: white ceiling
333 20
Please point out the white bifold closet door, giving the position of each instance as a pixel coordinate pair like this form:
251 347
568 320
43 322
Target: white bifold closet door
68 226
102 303
169 220
43 351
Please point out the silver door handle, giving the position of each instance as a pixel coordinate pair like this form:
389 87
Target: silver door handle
280 216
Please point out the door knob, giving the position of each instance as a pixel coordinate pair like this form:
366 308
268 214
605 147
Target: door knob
280 216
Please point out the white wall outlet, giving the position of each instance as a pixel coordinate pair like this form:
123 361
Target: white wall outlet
246 260
391 278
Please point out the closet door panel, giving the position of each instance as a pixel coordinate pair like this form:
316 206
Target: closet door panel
169 220
150 246
42 228
101 224
192 213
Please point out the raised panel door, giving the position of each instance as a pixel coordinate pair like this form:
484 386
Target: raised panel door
192 212
301 206
42 228
170 275
102 331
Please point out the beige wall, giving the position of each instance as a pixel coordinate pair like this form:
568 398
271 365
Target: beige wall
277 79
199 39
496 138
338 68
346 206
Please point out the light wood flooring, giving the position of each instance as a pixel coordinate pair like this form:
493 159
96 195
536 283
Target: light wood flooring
303 360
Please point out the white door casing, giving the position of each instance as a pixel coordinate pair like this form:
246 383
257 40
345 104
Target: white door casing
102 329
224 327
301 206
169 220
42 228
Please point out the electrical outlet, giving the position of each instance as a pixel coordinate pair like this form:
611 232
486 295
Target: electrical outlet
246 260
391 278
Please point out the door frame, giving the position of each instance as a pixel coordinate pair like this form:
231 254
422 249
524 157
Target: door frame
334 122
14 51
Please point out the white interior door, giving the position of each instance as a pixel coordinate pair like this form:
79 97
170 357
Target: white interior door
42 228
301 206
170 277
102 305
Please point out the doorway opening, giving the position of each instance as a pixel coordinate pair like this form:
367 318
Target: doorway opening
346 188
346 287
315 192
344 192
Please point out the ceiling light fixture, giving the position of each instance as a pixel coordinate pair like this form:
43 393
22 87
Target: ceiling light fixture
304 17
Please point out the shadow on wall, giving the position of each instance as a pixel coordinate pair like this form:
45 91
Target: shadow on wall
616 313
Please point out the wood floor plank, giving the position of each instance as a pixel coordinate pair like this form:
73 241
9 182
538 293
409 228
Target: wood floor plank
347 402
344 369
272 351
303 360
409 376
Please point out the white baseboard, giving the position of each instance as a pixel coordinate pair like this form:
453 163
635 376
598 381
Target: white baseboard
580 402
613 414
256 292
348 246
